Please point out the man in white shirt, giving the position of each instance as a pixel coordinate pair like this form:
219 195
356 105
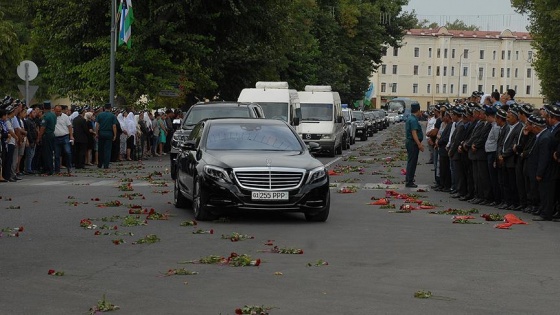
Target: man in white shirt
63 138
431 123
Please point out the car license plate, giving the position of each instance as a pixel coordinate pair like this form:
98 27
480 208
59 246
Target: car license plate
270 195
359 131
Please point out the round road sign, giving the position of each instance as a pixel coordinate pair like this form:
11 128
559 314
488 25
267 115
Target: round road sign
32 70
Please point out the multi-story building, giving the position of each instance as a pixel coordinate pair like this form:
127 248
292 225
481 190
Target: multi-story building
439 64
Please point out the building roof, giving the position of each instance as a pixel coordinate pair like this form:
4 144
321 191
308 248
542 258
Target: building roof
443 31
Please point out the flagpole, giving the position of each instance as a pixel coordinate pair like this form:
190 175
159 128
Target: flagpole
113 52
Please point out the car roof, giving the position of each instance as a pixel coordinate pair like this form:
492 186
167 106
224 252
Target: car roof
229 120
224 104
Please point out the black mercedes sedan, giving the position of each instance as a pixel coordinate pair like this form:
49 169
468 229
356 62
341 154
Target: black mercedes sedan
250 164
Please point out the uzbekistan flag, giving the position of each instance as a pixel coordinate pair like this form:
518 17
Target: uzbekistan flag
125 24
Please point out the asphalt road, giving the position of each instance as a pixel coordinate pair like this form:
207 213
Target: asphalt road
377 259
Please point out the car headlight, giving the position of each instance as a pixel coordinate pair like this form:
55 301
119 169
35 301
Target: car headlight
316 175
360 125
325 136
217 173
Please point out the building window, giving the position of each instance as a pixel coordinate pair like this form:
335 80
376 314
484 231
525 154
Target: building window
437 71
515 88
517 55
444 71
383 69
528 73
480 87
384 51
480 73
445 53
429 88
493 72
509 54
415 88
528 90
501 89
465 71
507 87
438 54
394 69
383 87
494 55
444 88
493 88
416 52
451 89
429 70
508 72
466 54
529 56
501 72
415 70
482 54
453 53
452 71
395 51
503 54
464 89
437 88
430 52
394 87
516 72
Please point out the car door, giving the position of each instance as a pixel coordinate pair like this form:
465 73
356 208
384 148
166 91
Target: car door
188 159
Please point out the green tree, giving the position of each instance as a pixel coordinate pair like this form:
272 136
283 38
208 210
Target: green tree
10 55
544 27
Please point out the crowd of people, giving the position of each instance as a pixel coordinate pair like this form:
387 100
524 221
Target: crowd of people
494 152
41 139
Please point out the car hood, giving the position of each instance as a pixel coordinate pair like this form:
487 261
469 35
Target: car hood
235 159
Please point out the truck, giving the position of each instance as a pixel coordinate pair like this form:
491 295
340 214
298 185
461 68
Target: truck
321 118
276 99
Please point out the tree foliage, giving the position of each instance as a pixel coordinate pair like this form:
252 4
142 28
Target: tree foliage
205 49
10 53
544 27
455 25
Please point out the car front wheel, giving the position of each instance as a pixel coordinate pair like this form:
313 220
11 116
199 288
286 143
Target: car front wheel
200 198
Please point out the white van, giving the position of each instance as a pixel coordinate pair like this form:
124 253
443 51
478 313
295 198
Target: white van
276 99
321 118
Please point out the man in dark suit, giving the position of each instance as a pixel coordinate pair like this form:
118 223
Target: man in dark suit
463 150
81 131
444 167
553 122
458 115
507 158
524 141
472 181
480 163
539 165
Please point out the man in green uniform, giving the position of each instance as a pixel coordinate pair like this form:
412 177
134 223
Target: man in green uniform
46 136
413 143
106 131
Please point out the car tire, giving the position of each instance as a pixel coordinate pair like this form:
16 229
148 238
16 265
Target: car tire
179 200
338 150
322 215
173 169
332 151
200 197
364 137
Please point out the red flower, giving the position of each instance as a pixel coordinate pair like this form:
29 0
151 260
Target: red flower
97 233
51 271
257 262
211 231
20 229
238 311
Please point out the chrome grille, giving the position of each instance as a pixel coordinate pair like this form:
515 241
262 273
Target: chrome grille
273 178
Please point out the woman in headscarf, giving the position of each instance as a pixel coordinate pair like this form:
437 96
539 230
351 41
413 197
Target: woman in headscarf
130 124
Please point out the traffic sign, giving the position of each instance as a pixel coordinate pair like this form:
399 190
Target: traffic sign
32 70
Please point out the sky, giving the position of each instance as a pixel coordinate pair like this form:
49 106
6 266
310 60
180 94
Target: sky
492 15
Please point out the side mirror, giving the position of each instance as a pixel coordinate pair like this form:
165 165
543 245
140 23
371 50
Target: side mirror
313 147
189 145
295 121
353 118
339 119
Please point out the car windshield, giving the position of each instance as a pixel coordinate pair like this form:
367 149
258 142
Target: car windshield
275 110
208 111
359 116
346 115
316 112
252 136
